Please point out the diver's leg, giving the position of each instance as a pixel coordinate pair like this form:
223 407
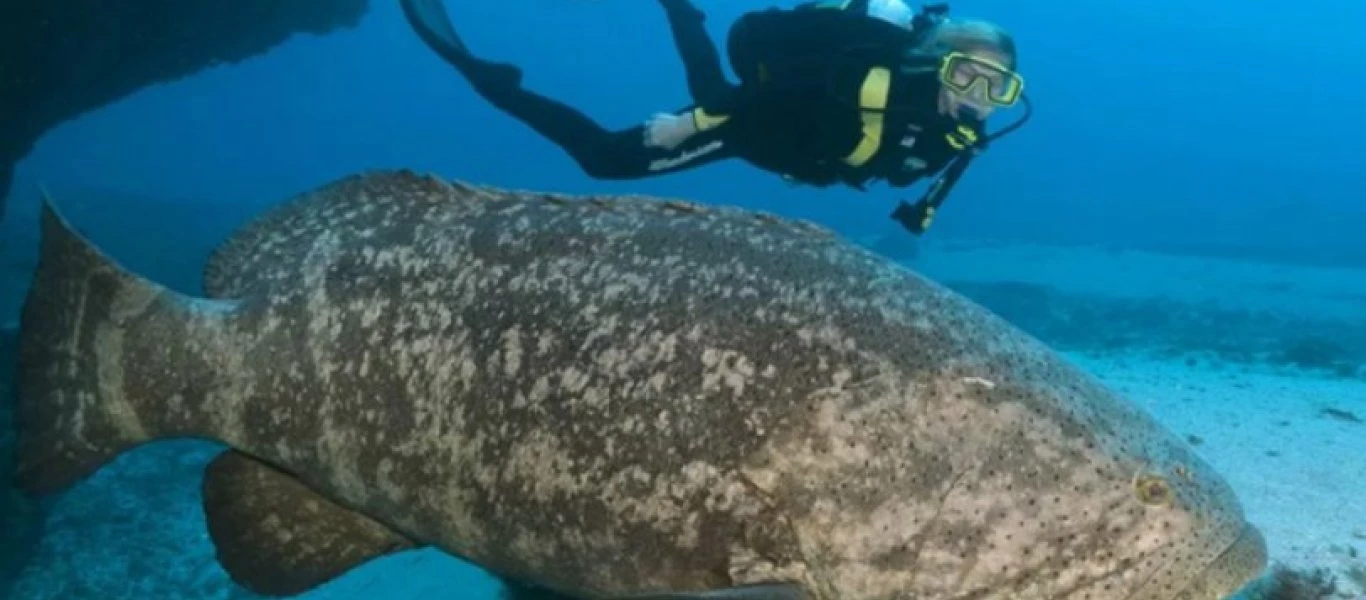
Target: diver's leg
641 151
587 142
601 153
706 81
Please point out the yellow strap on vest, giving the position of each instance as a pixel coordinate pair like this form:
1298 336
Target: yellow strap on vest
962 138
872 101
706 121
872 104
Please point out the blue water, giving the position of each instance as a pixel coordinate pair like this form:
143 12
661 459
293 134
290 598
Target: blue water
1157 123
1217 129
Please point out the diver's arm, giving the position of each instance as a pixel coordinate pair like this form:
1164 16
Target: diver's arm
706 82
701 63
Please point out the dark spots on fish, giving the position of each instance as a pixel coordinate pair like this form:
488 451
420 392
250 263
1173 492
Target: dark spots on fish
268 252
166 367
612 431
506 514
1184 473
260 416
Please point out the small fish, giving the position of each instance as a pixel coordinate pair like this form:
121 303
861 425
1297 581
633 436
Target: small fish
1341 415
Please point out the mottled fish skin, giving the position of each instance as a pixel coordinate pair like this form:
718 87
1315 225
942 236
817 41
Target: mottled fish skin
615 395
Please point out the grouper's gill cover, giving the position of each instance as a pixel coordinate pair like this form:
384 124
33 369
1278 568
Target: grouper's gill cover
616 396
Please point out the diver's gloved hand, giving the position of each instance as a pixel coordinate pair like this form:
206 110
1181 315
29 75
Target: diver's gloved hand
667 131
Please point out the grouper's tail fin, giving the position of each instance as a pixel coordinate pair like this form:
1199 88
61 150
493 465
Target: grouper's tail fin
72 414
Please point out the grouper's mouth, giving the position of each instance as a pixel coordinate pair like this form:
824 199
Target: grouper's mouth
1241 562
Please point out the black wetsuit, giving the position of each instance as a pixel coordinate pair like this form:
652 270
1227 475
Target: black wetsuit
799 119
806 113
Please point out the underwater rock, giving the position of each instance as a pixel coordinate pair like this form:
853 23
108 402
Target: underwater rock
612 396
1311 352
20 518
6 180
1285 583
1169 328
132 532
61 58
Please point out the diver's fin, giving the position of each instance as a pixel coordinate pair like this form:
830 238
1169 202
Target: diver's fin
277 537
429 19
433 25
80 310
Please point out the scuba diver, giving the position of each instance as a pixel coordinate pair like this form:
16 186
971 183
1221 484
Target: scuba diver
844 92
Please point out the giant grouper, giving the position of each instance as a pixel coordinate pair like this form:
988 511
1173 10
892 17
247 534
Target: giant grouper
613 397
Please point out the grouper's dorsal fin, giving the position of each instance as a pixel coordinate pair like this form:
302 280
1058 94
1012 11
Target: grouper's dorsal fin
277 537
274 243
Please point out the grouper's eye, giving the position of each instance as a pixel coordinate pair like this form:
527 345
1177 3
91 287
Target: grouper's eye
1153 490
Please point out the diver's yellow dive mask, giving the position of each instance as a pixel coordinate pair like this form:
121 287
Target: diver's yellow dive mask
980 79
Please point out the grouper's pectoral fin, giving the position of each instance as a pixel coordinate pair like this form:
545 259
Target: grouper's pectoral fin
763 591
277 537
518 590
